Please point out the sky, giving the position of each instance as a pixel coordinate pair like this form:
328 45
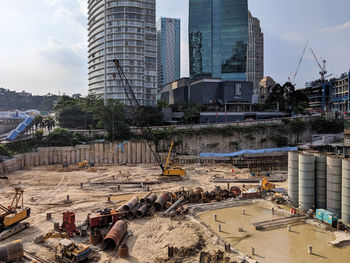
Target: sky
43 45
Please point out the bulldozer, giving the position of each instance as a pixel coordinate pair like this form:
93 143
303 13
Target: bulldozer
68 251
12 215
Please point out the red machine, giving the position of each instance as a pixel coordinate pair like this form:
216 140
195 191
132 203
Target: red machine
103 218
68 224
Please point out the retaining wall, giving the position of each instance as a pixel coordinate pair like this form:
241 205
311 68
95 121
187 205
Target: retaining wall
99 153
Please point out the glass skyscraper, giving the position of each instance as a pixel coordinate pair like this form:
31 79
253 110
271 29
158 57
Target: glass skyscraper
218 37
168 37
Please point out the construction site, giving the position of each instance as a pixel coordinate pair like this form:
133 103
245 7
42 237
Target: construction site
132 202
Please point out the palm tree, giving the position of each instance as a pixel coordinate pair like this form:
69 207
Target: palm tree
49 123
39 122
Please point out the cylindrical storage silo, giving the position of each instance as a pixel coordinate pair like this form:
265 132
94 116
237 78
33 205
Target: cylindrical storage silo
306 181
334 170
321 180
345 199
293 177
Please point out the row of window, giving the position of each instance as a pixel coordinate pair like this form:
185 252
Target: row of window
124 36
124 43
124 23
124 49
124 16
124 9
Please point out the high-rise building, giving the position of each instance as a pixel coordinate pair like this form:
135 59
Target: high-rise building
255 55
168 39
218 37
124 30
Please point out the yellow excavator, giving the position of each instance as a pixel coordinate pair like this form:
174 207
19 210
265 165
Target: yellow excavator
169 170
68 251
12 215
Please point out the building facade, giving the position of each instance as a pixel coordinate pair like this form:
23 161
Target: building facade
255 54
218 37
168 57
124 30
341 93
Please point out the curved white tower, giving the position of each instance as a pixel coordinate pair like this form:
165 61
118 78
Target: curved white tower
124 30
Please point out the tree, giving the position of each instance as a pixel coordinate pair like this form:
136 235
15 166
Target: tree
112 118
49 123
69 113
162 104
39 122
192 113
149 115
59 137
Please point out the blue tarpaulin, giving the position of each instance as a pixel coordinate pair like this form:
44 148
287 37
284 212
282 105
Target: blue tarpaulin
120 146
233 154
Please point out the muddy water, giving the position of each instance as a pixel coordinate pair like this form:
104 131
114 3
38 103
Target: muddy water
276 245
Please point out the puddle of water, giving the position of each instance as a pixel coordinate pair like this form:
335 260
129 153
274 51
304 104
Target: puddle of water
276 245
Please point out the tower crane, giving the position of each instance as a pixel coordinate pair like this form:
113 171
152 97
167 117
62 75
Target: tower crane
169 169
323 71
299 64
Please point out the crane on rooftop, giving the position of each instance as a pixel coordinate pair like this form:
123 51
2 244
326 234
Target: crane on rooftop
323 71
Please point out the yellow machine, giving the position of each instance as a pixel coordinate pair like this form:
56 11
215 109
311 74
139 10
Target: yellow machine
68 251
170 169
266 185
84 164
12 216
52 234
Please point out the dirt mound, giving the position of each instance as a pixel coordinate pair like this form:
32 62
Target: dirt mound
91 170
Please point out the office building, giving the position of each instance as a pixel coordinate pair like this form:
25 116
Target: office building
255 54
124 30
218 37
168 58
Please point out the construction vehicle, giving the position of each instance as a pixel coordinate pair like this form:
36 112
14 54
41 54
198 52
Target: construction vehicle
168 170
68 251
85 164
68 224
12 216
266 185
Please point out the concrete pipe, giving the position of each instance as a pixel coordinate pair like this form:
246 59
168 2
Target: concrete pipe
143 199
132 213
161 201
142 210
150 199
130 205
115 235
12 251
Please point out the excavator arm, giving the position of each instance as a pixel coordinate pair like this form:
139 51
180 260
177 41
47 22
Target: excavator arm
42 239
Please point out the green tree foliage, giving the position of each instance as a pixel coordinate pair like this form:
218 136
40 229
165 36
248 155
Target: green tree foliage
192 113
112 118
70 113
59 137
286 98
12 100
323 126
4 151
162 104
49 123
152 116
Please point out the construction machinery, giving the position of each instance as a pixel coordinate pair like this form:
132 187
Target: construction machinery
12 215
52 234
323 71
266 185
299 64
168 170
67 251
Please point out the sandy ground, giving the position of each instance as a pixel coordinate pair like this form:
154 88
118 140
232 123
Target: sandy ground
46 189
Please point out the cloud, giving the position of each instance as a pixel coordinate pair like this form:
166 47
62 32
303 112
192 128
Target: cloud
66 56
337 28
